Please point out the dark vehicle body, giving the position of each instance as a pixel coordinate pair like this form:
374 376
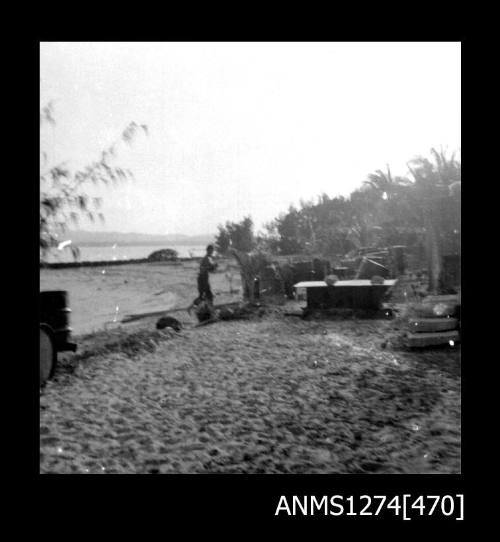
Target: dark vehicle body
55 331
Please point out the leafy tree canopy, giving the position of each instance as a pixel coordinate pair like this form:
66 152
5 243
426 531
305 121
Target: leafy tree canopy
238 235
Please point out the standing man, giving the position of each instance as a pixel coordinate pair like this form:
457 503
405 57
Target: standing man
207 265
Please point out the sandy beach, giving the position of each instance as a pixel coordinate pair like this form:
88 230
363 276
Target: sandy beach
274 394
99 297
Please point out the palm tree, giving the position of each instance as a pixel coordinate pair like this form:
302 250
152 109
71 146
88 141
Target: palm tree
388 195
434 184
449 170
385 183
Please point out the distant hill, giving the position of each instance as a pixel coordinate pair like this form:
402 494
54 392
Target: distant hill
88 238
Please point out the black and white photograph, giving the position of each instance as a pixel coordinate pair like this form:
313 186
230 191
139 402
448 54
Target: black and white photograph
250 257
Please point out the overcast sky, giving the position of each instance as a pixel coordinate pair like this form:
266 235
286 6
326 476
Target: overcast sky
241 129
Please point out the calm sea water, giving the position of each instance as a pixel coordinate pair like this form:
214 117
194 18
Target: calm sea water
117 252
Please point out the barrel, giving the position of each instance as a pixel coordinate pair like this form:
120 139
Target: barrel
55 312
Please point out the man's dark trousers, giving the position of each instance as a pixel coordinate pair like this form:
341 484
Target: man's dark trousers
204 290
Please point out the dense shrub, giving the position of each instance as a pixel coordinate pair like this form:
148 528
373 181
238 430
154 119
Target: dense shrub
164 255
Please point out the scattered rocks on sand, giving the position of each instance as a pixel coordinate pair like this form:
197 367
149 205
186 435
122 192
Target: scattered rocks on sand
168 321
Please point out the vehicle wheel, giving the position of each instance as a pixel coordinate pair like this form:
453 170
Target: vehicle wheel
48 356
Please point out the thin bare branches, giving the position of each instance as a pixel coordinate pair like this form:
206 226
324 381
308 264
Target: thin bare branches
63 198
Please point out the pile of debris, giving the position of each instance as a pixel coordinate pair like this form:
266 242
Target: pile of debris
434 322
262 277
207 313
368 261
